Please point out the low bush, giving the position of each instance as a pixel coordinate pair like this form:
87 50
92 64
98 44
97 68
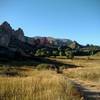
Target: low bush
45 66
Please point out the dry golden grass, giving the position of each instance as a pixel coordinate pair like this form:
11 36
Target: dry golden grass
31 84
91 74
40 85
87 69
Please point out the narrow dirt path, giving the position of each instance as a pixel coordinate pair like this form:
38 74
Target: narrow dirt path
86 92
90 91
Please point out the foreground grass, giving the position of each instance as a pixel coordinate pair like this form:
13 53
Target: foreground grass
40 85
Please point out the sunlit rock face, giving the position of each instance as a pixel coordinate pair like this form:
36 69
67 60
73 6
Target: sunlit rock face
5 34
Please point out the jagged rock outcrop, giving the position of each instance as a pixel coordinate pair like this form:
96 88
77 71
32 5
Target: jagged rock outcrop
14 41
5 34
6 27
19 34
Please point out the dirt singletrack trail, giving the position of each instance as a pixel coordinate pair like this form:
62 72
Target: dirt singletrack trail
89 92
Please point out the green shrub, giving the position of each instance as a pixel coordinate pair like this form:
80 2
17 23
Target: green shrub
69 55
42 66
42 52
55 53
46 67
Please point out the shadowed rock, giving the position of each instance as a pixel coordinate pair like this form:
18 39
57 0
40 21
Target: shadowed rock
5 34
19 34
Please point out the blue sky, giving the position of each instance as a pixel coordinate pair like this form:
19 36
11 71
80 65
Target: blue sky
72 19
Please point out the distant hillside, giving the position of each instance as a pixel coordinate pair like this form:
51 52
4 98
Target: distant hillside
15 42
56 42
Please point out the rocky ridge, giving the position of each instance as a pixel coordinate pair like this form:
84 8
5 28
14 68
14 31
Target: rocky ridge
16 41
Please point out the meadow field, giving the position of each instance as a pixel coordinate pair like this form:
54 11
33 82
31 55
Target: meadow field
31 84
87 70
28 83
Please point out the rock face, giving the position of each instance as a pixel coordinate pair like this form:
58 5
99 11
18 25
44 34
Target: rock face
5 34
6 27
55 42
14 41
19 34
4 40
